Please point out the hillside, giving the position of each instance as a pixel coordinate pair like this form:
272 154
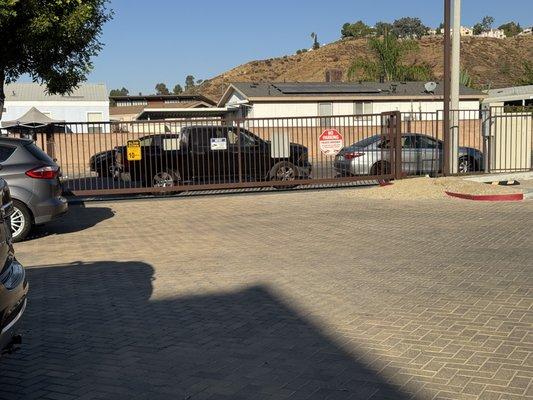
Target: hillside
494 62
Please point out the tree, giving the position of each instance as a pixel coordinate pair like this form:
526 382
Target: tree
440 29
52 41
382 28
511 29
119 92
356 30
484 26
177 89
409 27
189 83
316 44
388 53
161 89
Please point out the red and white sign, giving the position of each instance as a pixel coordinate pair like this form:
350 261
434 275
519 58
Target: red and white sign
331 142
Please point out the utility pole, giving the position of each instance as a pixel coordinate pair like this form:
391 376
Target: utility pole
447 82
455 87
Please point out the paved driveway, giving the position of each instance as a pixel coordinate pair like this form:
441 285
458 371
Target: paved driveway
317 295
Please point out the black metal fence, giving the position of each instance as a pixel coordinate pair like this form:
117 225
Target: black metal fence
203 154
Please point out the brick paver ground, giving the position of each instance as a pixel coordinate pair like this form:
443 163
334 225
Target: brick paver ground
308 295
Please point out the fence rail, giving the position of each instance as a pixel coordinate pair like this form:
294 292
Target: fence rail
200 154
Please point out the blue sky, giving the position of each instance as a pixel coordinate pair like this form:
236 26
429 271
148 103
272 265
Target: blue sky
165 40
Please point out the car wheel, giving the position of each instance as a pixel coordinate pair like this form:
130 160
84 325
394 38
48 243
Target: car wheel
284 172
21 221
466 165
380 168
165 179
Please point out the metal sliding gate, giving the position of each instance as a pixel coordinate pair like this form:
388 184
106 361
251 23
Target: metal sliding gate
212 154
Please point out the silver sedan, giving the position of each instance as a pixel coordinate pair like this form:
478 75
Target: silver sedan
421 155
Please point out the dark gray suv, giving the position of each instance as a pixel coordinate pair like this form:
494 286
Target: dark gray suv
13 283
33 178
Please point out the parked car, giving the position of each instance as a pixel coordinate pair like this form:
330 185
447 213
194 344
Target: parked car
103 163
210 154
33 179
421 155
13 283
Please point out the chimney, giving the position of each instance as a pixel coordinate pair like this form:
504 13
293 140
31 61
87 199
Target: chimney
333 75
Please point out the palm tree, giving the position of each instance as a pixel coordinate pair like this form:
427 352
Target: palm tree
316 45
388 52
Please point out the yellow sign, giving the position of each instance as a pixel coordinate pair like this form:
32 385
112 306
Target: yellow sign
134 150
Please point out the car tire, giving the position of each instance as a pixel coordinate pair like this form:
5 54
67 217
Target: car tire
164 179
466 165
380 168
284 171
21 221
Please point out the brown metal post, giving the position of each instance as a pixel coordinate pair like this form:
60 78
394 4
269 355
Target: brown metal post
239 150
50 144
397 129
447 85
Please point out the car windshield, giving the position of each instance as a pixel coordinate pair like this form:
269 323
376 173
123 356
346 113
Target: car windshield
367 142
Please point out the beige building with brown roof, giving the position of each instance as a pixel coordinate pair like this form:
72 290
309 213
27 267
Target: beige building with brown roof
133 108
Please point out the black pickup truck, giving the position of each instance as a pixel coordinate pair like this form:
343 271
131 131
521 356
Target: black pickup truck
211 154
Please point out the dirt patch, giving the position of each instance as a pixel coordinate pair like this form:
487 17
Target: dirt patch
432 188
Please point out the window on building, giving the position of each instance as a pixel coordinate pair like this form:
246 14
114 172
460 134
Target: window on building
325 110
94 118
172 101
139 103
363 108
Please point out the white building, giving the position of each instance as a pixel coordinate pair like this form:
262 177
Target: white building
275 100
517 96
88 103
493 33
526 31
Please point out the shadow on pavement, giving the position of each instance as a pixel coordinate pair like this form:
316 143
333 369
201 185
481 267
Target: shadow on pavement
78 218
92 330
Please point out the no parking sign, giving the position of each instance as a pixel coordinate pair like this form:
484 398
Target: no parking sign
331 142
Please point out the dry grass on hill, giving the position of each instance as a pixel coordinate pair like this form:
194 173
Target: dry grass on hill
495 62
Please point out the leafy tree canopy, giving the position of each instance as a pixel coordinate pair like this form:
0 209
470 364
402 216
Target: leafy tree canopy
53 41
189 83
511 28
484 26
119 92
161 89
382 28
356 30
409 27
177 89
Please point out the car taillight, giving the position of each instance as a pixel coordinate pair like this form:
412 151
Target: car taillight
46 172
352 155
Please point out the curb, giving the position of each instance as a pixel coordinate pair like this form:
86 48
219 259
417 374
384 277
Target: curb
488 197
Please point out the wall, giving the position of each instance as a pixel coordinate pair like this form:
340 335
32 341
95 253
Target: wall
307 109
70 111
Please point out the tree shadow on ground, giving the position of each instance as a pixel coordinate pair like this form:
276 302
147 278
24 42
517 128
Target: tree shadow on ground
78 218
91 330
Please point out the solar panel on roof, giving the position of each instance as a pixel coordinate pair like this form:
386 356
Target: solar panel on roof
325 88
